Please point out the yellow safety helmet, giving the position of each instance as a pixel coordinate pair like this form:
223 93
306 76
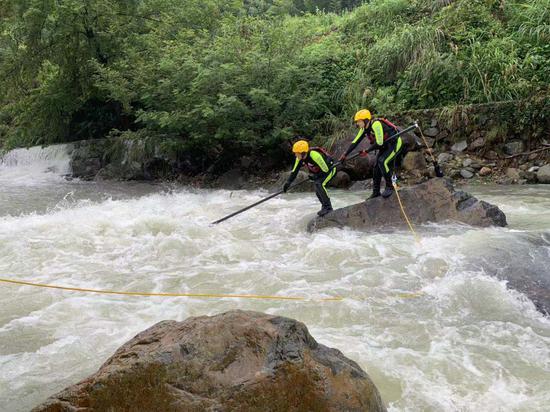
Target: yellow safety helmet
301 146
362 114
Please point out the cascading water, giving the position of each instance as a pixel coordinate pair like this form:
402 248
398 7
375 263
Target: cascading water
35 165
430 322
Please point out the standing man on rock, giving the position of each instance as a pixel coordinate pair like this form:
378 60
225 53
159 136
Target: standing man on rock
320 165
380 133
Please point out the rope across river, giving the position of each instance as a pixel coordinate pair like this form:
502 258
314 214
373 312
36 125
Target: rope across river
193 295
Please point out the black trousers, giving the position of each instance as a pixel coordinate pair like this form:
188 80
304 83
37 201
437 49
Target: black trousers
389 157
321 180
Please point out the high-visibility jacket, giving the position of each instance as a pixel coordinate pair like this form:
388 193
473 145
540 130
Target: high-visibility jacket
378 133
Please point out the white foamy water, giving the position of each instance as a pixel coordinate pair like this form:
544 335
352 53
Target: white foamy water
35 165
465 342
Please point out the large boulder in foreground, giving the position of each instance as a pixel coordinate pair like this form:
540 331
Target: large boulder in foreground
235 361
433 201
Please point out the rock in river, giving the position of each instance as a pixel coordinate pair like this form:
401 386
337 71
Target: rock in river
433 201
235 361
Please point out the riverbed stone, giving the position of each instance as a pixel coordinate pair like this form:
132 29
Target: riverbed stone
414 161
466 174
485 171
477 144
341 180
444 158
231 180
543 174
431 132
433 201
512 173
87 158
459 147
514 147
234 361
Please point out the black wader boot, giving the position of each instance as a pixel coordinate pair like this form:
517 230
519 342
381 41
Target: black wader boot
376 179
326 205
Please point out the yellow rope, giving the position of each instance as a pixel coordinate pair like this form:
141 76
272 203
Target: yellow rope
430 150
197 295
403 211
189 295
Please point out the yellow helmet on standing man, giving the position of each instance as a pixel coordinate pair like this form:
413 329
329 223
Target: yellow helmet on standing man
301 146
362 114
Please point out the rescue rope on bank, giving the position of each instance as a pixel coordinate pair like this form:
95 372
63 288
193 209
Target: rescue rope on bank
396 190
187 295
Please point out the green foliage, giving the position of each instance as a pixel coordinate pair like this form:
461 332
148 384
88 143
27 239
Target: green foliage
223 78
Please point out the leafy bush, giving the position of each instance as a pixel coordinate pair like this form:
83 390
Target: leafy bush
224 78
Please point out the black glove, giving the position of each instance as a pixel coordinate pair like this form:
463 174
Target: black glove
286 186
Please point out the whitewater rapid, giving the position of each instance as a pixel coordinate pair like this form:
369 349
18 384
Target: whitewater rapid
430 321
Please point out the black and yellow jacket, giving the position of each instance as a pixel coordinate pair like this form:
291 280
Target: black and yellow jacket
318 163
379 132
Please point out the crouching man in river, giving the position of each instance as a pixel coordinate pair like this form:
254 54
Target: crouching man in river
320 166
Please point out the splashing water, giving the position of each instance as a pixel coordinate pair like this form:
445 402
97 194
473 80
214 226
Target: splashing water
467 342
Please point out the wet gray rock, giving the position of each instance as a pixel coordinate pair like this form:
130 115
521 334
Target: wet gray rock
361 185
341 180
543 174
514 147
232 179
444 158
235 361
466 174
433 201
460 146
87 158
431 132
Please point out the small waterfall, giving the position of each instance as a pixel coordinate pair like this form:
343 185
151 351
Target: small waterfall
36 164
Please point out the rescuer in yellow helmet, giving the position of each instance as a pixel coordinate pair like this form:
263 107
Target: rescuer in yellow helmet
391 150
320 166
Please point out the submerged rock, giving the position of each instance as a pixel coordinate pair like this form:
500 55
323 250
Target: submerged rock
238 360
543 174
433 201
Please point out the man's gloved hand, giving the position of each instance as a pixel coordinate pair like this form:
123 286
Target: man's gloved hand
286 186
363 153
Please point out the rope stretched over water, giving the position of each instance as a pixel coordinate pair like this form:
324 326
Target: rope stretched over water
187 295
196 295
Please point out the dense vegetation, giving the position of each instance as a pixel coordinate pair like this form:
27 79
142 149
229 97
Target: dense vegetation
220 78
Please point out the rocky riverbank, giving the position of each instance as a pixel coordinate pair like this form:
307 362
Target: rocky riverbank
235 361
463 162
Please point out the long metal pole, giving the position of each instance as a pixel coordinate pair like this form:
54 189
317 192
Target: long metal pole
265 199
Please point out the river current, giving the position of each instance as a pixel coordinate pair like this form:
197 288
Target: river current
431 322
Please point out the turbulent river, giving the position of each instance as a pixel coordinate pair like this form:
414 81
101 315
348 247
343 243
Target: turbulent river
430 322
